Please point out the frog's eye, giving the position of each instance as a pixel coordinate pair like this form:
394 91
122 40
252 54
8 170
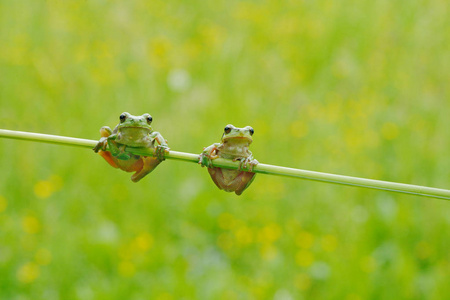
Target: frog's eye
149 119
122 117
251 130
227 129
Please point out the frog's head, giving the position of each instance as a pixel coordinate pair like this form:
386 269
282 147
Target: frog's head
128 122
235 134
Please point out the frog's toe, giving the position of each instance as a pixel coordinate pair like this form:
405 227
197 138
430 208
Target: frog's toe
200 160
160 151
253 163
245 164
101 145
241 165
205 160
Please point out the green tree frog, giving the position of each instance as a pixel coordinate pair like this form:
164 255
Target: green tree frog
234 145
132 131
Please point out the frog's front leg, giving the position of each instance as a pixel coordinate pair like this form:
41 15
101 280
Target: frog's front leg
149 164
246 163
105 132
250 162
118 150
162 148
160 152
209 153
159 138
100 148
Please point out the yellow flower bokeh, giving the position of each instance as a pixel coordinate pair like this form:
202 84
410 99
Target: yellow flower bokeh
143 242
225 241
126 268
45 188
28 272
3 204
269 233
244 235
302 281
304 258
31 224
329 243
305 239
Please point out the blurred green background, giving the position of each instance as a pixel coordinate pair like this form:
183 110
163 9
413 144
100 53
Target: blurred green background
358 88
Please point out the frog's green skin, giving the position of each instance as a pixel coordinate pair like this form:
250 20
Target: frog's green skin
132 131
234 145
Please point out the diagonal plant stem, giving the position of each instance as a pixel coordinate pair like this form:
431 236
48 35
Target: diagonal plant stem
260 168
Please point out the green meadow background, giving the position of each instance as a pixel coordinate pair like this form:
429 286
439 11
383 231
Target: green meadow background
358 88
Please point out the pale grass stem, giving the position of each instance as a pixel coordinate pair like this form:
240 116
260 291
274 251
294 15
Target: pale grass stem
260 168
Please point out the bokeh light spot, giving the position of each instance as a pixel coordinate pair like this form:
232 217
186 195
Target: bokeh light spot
305 240
144 241
31 224
225 241
178 80
329 243
164 296
268 252
269 233
302 281
3 204
127 269
45 188
304 258
298 129
243 235
390 130
320 270
28 272
225 221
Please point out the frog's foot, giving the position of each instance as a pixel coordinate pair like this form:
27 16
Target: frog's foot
124 156
205 160
120 152
148 165
252 163
160 152
246 164
101 145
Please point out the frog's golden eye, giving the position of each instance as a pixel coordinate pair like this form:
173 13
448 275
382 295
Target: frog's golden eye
149 119
122 117
227 129
251 130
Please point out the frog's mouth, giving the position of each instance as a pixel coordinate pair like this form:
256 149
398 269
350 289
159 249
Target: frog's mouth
238 139
134 129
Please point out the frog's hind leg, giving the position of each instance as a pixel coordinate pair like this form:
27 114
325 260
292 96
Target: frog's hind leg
246 178
217 176
149 164
108 157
